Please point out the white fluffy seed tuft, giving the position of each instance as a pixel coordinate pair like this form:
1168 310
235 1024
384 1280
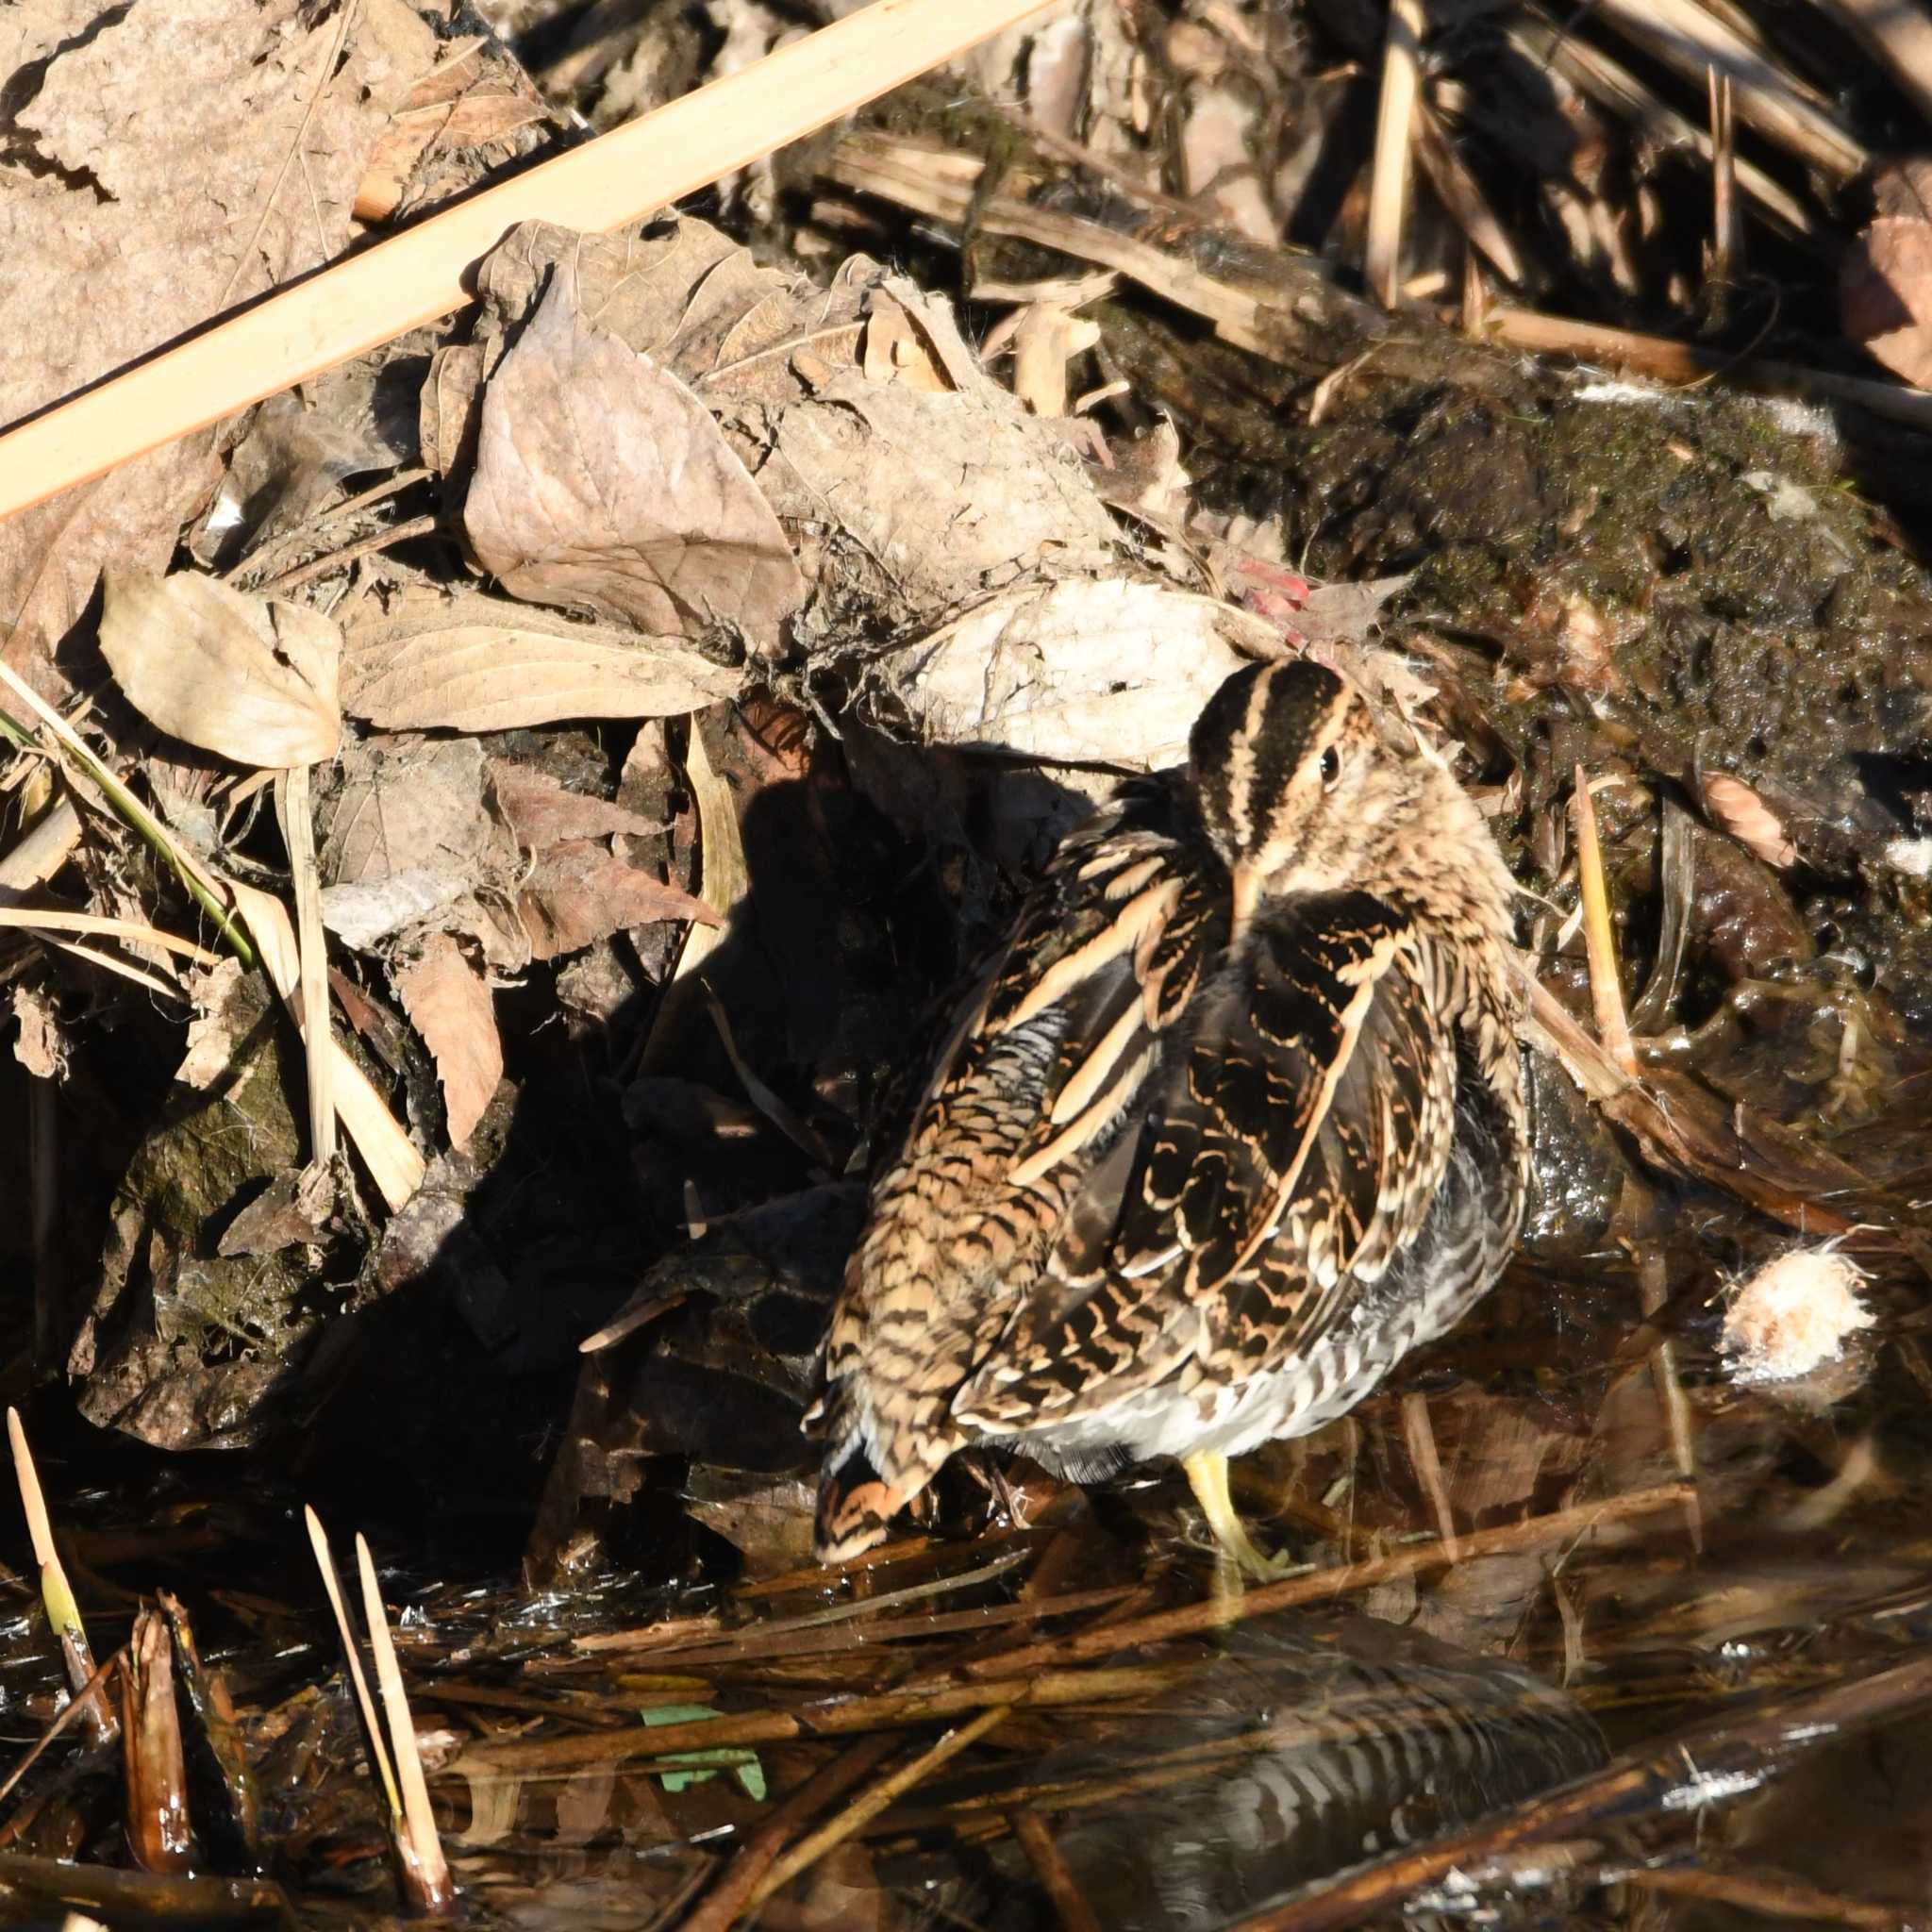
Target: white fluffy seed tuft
1794 1314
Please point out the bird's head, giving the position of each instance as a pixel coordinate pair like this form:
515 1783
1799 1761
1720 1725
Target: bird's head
1300 791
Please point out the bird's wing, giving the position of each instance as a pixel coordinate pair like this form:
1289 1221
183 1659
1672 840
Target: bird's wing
1284 1142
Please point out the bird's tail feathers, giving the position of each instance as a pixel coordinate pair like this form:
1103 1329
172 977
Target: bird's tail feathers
864 1484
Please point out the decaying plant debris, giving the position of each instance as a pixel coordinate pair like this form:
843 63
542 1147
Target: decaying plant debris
480 831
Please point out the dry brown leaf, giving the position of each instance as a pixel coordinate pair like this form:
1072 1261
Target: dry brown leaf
1735 808
1885 288
212 1037
950 496
247 677
477 663
684 292
455 105
578 892
539 811
407 841
449 1004
185 158
39 1046
603 484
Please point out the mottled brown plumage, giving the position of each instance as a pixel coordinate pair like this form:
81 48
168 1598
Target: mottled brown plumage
1233 1121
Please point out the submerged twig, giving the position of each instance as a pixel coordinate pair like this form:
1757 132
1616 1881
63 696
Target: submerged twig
1651 1288
732 1894
832 1717
1055 1879
875 1800
93 1688
1346 1578
1421 1440
1764 1895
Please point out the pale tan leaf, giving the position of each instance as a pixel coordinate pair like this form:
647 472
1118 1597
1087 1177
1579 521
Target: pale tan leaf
449 1004
602 483
477 663
247 677
1108 669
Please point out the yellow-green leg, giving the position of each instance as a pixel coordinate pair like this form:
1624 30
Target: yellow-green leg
1207 1477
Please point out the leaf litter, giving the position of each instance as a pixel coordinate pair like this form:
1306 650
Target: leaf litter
719 642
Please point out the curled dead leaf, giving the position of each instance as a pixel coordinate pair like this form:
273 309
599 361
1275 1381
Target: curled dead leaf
247 677
449 1004
1733 807
603 483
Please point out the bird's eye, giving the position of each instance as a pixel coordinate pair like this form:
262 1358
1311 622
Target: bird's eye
1331 765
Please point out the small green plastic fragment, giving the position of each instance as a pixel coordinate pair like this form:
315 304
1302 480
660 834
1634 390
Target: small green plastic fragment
742 1765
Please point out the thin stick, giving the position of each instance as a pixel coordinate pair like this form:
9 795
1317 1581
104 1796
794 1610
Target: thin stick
422 274
35 858
864 1810
1420 1438
1765 1897
201 886
1651 1290
69 1712
1727 218
732 1893
1599 939
828 1718
393 1162
1670 361
318 1041
384 538
1394 127
273 552
1459 191
1056 1879
331 1583
1345 1579
421 1848
107 964
45 919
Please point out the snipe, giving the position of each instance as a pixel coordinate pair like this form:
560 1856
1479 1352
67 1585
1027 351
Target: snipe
1233 1121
